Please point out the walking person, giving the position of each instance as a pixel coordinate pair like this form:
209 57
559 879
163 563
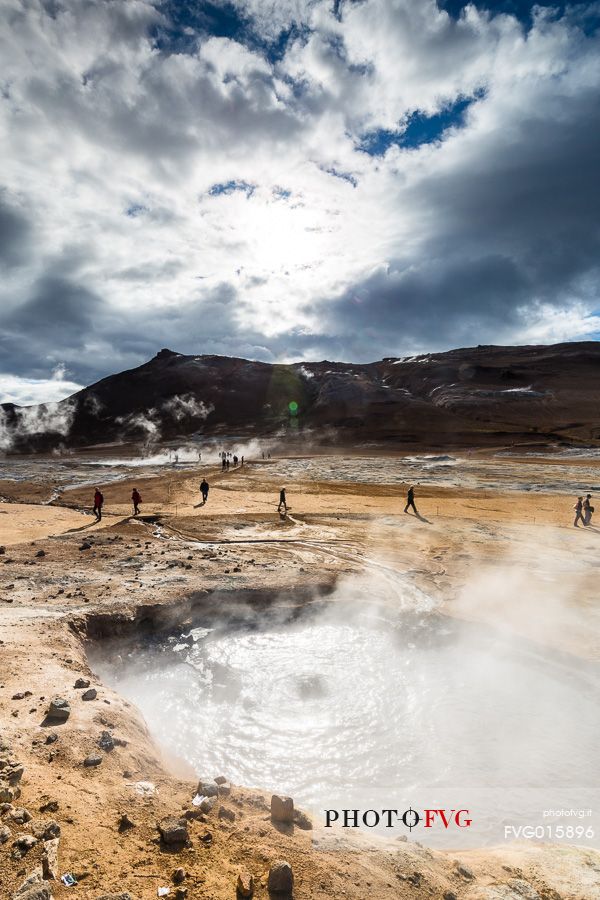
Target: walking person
282 501
98 502
579 512
136 499
410 500
588 509
204 490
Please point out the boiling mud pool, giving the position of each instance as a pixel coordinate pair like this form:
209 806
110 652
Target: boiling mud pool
355 711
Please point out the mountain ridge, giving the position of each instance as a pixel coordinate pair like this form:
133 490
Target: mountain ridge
466 396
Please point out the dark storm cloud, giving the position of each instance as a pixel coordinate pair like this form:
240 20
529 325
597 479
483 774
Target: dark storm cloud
60 318
515 227
15 235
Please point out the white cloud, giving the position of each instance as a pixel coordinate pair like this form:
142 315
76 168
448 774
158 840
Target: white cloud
28 391
112 144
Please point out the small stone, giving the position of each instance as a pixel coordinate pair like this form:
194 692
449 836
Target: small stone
207 787
450 895
49 806
302 820
465 871
48 831
35 892
524 889
90 694
173 831
81 683
245 885
281 878
85 545
207 804
9 793
227 814
50 859
106 741
20 815
220 779
5 834
124 895
40 553
51 738
178 875
22 844
59 709
282 809
21 695
224 788
181 893
94 759
125 823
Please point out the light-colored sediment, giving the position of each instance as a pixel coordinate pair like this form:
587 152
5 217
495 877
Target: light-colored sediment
486 554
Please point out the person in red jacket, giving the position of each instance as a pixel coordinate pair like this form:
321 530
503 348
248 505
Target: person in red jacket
136 500
98 501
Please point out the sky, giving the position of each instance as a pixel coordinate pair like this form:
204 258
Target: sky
292 180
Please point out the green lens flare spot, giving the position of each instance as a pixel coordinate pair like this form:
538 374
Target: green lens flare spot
293 408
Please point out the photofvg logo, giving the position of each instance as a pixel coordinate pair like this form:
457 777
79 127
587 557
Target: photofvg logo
392 818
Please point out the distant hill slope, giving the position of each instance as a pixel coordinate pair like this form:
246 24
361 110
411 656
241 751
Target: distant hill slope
475 396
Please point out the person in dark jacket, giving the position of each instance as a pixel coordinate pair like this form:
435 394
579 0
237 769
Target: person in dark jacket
98 503
136 500
410 500
579 512
588 509
204 490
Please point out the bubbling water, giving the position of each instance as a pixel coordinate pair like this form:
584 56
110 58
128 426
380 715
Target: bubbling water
362 711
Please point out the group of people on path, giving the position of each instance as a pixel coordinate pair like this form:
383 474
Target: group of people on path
136 499
583 507
583 511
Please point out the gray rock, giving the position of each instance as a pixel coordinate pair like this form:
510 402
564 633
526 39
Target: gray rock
207 804
302 820
227 814
90 694
207 787
465 871
122 896
281 878
59 709
450 895
20 815
524 889
51 738
22 844
94 759
178 875
40 553
36 892
5 834
50 859
173 831
47 831
8 793
34 878
245 885
106 741
282 809
81 683
224 788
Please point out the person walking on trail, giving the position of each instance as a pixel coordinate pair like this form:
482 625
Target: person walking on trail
282 501
410 500
204 490
588 509
579 512
136 499
98 501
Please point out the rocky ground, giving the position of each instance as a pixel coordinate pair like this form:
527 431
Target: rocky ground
84 790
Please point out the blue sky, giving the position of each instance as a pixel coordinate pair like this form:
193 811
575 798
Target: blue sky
292 180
